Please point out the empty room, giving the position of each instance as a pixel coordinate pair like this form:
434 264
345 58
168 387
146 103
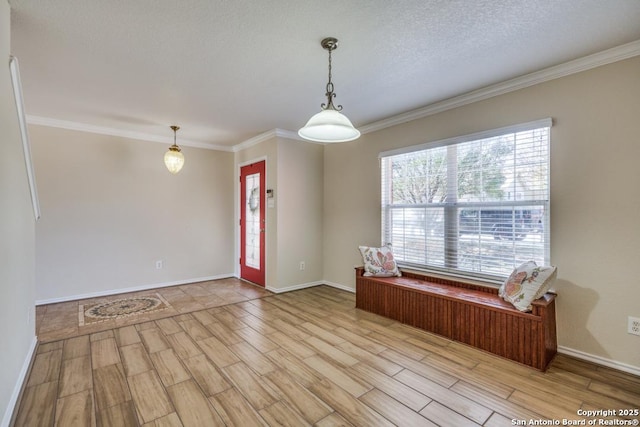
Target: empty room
339 213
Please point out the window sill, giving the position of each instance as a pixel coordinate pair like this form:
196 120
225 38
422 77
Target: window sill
495 283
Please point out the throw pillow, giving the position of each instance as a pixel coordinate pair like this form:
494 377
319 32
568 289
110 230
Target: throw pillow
527 283
379 261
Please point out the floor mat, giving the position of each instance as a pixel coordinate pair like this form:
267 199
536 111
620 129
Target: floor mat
125 307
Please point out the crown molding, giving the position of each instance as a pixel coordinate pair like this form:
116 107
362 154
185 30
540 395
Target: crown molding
608 56
289 134
255 140
102 130
282 133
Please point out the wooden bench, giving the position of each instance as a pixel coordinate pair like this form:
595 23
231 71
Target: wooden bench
468 313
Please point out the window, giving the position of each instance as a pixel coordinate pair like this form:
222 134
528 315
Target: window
475 205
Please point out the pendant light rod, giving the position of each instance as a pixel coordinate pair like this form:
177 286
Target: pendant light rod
330 44
175 129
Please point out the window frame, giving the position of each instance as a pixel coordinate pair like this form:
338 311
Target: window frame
452 206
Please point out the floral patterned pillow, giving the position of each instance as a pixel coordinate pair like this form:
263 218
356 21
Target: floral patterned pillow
527 283
379 261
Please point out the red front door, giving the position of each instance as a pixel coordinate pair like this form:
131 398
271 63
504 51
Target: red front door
252 222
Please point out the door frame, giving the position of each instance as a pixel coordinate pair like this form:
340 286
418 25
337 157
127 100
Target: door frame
238 208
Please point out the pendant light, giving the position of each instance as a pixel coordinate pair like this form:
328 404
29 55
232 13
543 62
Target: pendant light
329 125
174 159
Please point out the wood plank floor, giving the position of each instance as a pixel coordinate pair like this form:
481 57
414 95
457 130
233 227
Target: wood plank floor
60 320
301 358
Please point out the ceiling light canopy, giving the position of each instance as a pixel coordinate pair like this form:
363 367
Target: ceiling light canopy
329 125
174 159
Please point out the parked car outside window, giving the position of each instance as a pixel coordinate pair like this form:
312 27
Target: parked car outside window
511 224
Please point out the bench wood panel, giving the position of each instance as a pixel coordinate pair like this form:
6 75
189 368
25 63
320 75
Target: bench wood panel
467 313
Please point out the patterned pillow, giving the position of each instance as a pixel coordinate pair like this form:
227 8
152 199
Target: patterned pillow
527 283
379 261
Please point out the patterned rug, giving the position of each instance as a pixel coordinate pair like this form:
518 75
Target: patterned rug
100 312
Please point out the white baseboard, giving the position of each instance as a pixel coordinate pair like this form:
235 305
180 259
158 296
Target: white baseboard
310 285
17 388
339 286
132 289
294 287
635 370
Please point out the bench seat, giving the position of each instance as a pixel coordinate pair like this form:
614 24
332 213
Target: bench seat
468 313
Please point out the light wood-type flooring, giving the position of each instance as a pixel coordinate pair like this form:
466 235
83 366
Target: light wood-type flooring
301 358
56 321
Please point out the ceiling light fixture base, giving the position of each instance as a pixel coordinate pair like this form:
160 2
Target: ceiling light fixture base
329 43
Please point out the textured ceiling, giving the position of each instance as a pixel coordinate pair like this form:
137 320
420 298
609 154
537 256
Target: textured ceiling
226 71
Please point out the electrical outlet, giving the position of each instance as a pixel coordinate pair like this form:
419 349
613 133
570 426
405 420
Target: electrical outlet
302 265
634 325
159 264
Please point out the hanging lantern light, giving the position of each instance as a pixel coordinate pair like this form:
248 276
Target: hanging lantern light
174 159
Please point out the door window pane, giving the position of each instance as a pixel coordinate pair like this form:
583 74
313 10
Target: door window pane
252 221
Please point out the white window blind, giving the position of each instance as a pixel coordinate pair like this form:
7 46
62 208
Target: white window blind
474 205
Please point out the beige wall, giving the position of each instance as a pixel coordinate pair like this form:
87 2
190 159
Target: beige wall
17 244
110 210
300 199
595 201
294 223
